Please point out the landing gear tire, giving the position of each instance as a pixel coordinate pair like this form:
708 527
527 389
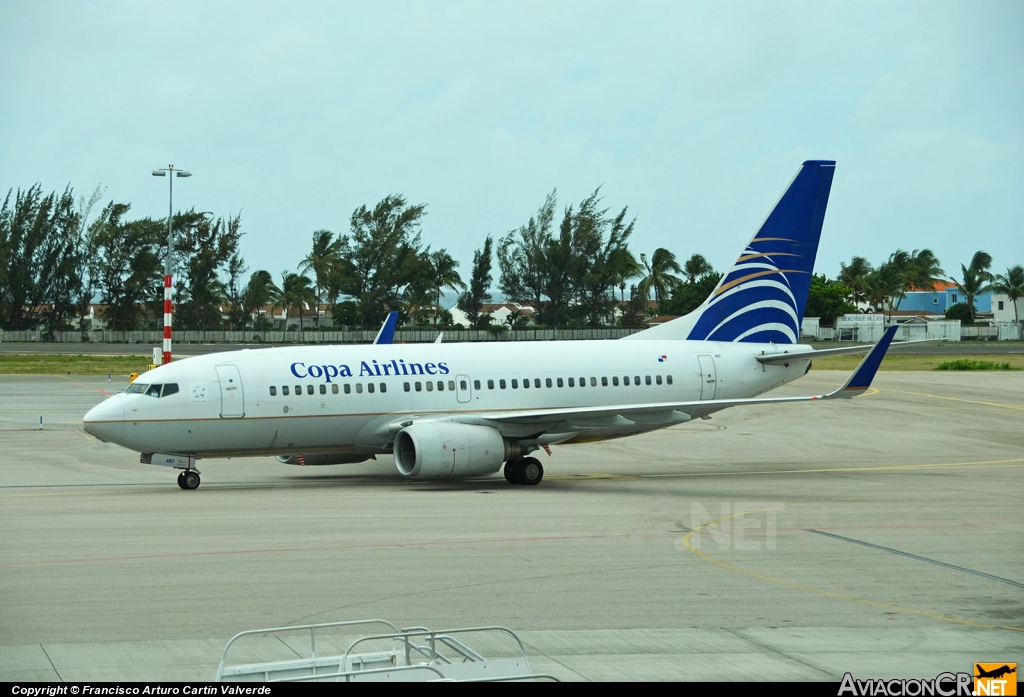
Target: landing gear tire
189 479
531 471
513 471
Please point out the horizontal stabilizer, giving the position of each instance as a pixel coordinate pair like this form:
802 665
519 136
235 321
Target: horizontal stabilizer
787 356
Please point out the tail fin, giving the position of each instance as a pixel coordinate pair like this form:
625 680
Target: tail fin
762 297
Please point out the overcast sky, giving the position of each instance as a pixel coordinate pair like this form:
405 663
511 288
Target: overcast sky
695 115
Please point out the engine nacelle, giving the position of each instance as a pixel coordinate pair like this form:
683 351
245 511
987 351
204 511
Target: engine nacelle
323 459
450 450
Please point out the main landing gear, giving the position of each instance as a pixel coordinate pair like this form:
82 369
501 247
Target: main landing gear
188 479
524 470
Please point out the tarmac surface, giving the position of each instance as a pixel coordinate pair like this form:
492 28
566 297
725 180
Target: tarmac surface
883 536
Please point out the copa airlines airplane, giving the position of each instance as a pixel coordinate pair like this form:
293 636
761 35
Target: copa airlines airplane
463 410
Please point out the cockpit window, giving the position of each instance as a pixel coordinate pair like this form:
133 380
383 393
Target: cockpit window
152 390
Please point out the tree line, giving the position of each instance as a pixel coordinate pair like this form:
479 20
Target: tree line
573 266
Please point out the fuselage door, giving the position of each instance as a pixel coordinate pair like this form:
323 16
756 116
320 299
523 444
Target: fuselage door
463 390
232 399
708 377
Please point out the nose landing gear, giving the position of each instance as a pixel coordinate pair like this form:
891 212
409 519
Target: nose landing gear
188 479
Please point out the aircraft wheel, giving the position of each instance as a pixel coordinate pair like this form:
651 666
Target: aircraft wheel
190 480
181 479
514 471
531 471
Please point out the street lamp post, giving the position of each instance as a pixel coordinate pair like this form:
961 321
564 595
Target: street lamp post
170 173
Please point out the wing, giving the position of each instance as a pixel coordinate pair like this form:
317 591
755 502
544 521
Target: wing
856 384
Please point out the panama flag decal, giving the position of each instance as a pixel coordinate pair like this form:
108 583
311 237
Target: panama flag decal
662 359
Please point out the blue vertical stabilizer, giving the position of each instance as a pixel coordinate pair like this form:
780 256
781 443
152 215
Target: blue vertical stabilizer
763 295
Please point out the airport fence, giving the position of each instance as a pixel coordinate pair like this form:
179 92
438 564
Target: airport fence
411 336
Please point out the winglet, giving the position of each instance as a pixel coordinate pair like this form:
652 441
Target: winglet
386 335
865 372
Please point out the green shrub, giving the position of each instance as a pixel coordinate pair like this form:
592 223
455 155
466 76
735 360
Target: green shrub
971 364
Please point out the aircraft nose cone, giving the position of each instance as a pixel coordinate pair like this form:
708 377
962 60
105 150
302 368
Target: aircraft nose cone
106 419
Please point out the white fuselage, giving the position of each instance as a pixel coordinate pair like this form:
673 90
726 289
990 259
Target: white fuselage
353 399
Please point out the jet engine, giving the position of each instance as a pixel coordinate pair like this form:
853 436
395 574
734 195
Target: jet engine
323 459
451 450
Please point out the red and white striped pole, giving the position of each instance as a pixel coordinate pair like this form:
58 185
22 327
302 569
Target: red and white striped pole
167 319
169 172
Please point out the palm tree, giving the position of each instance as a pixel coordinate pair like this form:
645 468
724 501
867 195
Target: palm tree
321 261
658 277
922 271
1011 284
259 292
695 267
976 279
623 265
885 286
296 290
855 277
443 275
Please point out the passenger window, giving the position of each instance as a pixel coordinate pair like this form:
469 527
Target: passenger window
501 384
536 383
647 379
636 380
440 385
515 384
298 390
169 389
419 386
559 381
273 391
408 387
323 389
309 389
490 384
476 384
625 380
615 381
451 385
572 382
430 387
593 382
583 382
547 381
369 387
668 379
284 390
463 384
526 384
153 391
334 389
604 382
657 379
383 387
359 388
348 388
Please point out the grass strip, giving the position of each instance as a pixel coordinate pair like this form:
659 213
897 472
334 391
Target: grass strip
67 364
895 361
